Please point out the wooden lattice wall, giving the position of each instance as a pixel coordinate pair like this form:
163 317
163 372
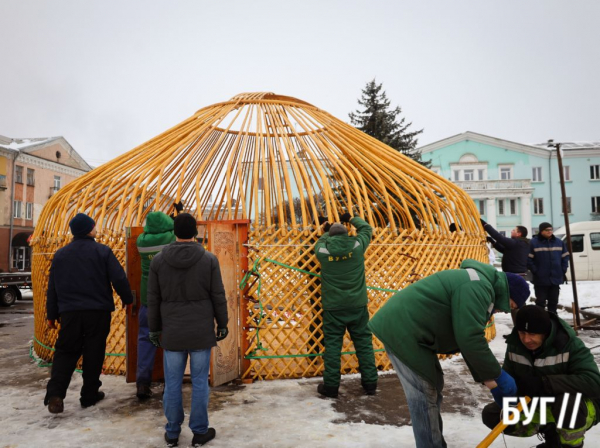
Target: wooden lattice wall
280 163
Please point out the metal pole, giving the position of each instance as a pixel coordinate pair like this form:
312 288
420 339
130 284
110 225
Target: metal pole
567 227
12 208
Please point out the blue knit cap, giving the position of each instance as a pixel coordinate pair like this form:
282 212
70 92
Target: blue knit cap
81 224
518 288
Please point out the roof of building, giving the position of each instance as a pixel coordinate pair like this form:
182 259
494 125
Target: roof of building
31 145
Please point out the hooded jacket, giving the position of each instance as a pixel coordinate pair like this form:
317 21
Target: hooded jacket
158 232
186 296
342 258
563 361
445 313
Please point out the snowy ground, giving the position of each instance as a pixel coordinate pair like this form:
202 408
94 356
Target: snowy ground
285 413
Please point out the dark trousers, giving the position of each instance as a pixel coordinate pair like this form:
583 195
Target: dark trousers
81 333
335 324
146 350
548 294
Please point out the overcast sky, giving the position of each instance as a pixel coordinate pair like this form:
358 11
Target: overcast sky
110 75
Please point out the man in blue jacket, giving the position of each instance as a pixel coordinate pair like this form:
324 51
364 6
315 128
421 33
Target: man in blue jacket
80 297
548 261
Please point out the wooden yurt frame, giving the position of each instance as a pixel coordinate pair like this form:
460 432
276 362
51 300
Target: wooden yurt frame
280 163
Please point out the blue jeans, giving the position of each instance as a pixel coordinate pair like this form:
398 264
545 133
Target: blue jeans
145 350
175 362
424 403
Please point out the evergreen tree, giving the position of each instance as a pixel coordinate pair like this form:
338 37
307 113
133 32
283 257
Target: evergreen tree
379 121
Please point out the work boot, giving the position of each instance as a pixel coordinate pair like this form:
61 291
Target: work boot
551 438
370 388
143 391
201 439
56 405
86 403
171 442
328 391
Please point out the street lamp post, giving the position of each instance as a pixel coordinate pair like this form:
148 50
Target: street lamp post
561 174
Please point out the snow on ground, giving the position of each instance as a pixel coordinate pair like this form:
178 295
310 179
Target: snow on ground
281 413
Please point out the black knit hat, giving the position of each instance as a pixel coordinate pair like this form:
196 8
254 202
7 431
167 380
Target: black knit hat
518 289
81 224
337 229
533 319
184 226
544 226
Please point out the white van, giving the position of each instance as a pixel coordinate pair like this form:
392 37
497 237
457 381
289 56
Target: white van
585 240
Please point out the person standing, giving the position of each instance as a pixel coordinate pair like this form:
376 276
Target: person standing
548 261
344 302
185 298
514 250
547 359
158 232
80 298
446 312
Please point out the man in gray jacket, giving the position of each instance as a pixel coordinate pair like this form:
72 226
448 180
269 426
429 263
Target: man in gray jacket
185 298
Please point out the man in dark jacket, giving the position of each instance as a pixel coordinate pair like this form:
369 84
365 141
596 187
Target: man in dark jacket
548 261
547 359
158 233
185 298
344 302
515 249
80 297
445 313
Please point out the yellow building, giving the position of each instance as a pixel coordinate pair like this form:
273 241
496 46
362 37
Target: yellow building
31 171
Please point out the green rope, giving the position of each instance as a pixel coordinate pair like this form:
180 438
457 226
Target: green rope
41 363
308 355
53 349
243 284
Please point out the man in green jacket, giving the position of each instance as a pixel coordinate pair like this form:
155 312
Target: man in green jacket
547 359
445 313
344 302
158 232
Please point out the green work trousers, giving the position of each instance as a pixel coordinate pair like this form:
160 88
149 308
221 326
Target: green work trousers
335 324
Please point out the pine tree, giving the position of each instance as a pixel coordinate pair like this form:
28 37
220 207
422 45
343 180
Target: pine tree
384 124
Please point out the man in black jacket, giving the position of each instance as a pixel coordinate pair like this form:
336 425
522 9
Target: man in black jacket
185 298
80 297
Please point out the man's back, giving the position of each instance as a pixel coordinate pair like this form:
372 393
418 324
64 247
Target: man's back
185 282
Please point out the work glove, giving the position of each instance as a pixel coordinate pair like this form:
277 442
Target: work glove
506 387
483 223
154 337
222 333
178 206
490 240
532 386
323 220
346 217
452 227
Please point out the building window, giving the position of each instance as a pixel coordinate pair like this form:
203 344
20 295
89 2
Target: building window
501 207
538 206
595 172
57 182
482 206
17 210
536 175
505 173
595 204
30 176
513 206
29 210
19 174
261 184
568 206
469 174
456 175
480 174
567 173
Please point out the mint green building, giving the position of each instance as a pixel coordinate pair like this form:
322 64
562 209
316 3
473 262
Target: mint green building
517 184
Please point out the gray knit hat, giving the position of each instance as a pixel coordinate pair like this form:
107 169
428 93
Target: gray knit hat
337 229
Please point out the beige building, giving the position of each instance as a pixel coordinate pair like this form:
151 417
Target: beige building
31 171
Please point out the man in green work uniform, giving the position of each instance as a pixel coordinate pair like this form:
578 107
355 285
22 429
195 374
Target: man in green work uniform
445 313
547 359
344 301
158 232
